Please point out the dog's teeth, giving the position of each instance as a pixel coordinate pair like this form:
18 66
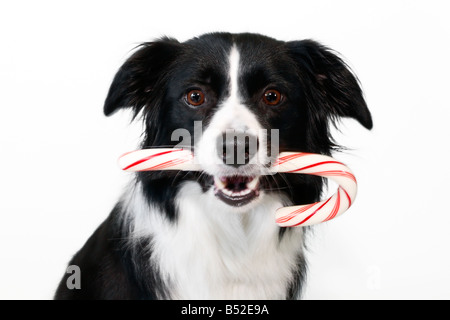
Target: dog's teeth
220 183
227 192
252 184
228 186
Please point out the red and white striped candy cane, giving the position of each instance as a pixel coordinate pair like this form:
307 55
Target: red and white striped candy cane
287 162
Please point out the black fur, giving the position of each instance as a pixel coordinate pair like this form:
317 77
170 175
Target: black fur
319 89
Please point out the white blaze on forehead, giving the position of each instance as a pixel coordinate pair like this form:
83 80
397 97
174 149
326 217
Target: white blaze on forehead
232 113
234 72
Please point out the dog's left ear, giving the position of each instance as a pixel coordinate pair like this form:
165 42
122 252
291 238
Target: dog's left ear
139 79
331 86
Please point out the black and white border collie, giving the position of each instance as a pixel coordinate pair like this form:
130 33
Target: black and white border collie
212 234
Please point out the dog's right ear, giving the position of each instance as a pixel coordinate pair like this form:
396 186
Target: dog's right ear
138 78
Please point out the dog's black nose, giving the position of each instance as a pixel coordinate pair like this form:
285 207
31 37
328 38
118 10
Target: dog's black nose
237 148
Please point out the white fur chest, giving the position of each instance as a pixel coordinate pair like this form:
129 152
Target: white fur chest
212 252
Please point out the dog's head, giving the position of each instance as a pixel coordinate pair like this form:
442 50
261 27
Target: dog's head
238 100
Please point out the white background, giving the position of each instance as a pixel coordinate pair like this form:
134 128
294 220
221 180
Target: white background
59 177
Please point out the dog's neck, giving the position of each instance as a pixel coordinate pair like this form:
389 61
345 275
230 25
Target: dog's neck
212 252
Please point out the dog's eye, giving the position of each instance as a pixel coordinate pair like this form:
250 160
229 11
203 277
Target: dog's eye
272 97
195 97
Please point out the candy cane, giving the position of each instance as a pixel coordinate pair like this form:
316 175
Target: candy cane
287 162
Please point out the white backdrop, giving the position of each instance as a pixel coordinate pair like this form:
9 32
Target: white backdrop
59 175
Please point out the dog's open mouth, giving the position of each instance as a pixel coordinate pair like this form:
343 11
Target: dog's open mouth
236 190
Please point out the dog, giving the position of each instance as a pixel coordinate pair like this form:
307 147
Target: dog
212 234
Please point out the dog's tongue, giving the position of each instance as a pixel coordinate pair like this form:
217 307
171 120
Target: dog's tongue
237 190
237 183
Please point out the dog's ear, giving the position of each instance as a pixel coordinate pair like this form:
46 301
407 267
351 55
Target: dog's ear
139 77
332 87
